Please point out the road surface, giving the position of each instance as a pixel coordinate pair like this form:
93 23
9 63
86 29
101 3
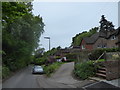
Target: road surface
62 78
22 79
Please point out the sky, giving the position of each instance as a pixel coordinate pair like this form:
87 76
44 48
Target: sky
63 20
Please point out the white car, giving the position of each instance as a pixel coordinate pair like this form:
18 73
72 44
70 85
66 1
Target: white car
37 69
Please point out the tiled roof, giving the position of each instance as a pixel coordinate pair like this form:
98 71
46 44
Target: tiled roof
94 37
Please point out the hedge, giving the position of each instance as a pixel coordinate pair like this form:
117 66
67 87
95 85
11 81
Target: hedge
95 54
86 69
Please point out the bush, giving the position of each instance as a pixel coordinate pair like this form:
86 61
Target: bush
57 57
95 54
85 69
51 68
70 56
40 61
5 72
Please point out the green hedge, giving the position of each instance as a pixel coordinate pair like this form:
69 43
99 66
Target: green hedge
86 69
70 56
40 61
95 54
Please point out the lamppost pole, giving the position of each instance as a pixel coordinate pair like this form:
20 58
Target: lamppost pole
49 41
49 44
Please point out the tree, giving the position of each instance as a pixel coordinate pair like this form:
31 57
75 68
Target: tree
78 38
105 25
21 33
39 52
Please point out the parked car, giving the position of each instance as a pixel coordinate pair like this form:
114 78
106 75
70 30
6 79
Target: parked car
59 60
64 59
37 69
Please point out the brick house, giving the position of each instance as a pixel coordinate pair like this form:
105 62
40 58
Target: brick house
87 42
108 39
118 35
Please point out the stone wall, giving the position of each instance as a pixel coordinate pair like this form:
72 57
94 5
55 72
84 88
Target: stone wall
112 65
112 69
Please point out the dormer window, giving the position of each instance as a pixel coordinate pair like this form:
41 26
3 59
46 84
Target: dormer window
113 37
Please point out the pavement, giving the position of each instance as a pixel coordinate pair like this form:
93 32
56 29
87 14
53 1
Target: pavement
101 86
115 82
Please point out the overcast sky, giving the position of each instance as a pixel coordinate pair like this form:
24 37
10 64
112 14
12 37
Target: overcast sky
63 20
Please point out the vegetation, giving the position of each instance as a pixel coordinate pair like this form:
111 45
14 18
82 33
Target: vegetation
41 57
52 68
87 69
52 51
5 71
78 38
95 54
71 57
21 32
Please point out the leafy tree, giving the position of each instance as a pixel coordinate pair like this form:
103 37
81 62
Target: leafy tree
39 52
21 32
78 38
105 25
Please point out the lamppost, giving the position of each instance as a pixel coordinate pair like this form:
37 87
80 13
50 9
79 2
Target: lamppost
49 41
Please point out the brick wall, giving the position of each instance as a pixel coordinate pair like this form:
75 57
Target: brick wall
113 69
86 46
112 65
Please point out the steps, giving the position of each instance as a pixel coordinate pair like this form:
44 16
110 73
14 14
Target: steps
101 72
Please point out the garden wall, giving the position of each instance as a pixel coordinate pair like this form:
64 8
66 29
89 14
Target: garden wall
112 69
112 65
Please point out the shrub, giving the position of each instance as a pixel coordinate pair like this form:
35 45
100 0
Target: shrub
51 68
5 72
57 57
95 54
40 61
85 69
70 56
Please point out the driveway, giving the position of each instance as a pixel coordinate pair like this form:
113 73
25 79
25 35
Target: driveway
62 78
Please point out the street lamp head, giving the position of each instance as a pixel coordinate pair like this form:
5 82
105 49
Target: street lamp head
47 37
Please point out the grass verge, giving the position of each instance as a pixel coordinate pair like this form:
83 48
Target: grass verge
52 68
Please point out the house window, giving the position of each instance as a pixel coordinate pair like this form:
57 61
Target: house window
98 46
113 38
101 46
83 47
104 46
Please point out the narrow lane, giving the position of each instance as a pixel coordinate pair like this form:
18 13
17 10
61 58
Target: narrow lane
22 79
62 78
